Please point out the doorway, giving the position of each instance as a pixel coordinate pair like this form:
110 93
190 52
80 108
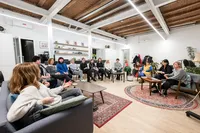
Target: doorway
24 50
27 47
98 53
126 55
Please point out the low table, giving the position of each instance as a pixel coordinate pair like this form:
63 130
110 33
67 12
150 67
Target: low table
118 73
151 81
91 88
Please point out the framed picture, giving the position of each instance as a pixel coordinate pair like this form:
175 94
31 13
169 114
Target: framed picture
43 45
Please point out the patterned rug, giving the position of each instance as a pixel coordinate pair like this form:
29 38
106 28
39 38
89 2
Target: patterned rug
112 106
158 101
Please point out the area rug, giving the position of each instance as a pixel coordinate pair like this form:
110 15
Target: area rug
158 101
112 106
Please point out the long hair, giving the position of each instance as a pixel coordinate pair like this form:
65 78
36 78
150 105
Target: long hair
23 75
49 60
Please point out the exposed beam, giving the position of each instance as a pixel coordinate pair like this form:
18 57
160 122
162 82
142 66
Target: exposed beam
184 8
139 33
183 15
107 34
131 24
18 15
127 14
41 3
158 15
136 28
160 3
31 8
120 16
142 30
101 4
107 13
68 6
189 19
55 8
26 6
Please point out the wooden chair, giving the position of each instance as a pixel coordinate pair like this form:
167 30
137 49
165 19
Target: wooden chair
195 86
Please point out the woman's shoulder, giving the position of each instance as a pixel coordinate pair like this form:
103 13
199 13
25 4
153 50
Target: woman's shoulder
29 89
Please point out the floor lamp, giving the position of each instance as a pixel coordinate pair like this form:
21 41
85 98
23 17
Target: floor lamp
190 113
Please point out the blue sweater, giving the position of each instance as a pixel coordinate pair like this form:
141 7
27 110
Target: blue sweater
61 68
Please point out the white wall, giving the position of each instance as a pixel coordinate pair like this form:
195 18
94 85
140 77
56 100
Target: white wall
173 49
7 56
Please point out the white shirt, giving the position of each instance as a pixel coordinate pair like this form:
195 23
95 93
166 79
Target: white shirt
30 96
107 66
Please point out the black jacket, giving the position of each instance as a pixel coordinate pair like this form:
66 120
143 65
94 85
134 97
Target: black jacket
83 66
100 65
167 69
92 65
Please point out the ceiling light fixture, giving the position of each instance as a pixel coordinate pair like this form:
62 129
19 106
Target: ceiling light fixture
133 5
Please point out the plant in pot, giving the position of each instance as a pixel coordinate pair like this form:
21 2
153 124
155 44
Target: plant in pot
154 66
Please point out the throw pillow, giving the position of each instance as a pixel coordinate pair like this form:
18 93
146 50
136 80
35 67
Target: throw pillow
63 105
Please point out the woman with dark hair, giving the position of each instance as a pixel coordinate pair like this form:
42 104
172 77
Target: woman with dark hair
86 70
93 68
164 69
57 75
101 68
62 67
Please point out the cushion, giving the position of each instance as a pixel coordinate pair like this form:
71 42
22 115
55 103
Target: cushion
188 81
63 105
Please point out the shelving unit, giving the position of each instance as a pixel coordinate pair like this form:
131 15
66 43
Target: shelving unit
73 48
71 45
71 54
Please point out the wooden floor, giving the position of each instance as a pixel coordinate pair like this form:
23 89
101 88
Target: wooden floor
140 118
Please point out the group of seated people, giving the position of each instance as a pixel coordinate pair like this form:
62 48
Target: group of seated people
62 72
35 86
171 75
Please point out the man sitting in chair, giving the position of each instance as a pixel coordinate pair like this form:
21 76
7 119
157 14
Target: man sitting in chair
118 68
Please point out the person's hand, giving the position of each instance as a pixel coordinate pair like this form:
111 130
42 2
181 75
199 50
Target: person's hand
66 85
142 71
162 72
47 84
57 73
166 76
65 72
47 100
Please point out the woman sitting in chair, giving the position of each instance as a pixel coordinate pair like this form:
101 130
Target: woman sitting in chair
32 95
146 70
57 75
108 69
127 68
93 68
75 69
101 68
62 67
164 69
173 78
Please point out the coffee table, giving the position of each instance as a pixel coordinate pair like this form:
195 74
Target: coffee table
151 81
118 73
91 88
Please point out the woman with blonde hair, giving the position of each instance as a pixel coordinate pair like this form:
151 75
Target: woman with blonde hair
32 95
108 69
173 78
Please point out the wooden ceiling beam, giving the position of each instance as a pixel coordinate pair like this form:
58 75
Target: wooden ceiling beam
68 6
184 8
92 8
139 33
136 28
189 19
41 3
183 15
133 32
130 24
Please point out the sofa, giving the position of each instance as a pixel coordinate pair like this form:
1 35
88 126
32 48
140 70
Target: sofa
78 119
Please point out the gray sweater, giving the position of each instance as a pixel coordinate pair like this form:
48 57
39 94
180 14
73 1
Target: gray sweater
179 74
118 65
